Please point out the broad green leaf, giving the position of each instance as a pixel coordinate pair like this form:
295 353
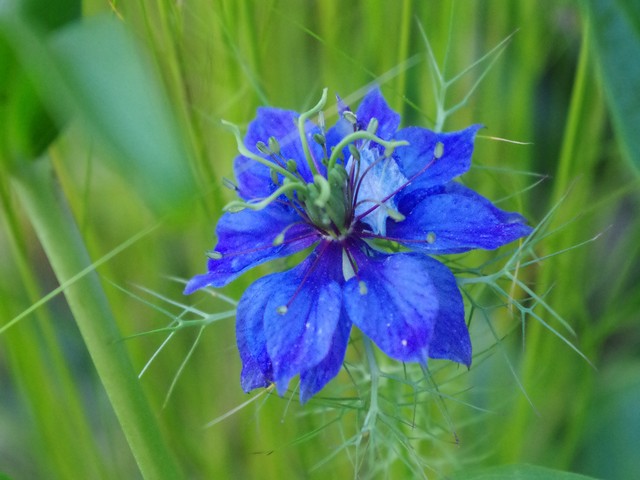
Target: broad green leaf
616 30
612 430
517 472
28 127
113 87
51 14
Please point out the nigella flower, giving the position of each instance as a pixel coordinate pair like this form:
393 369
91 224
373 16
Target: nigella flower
376 202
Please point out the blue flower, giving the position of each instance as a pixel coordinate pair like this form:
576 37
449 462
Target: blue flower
375 202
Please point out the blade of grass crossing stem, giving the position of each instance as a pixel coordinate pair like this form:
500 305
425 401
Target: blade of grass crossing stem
65 249
37 365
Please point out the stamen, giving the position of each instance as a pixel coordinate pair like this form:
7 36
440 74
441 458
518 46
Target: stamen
218 255
372 128
279 240
319 139
262 148
321 123
350 117
352 263
355 153
394 214
282 309
362 288
348 272
354 178
292 166
229 184
301 195
274 176
431 237
274 146
365 234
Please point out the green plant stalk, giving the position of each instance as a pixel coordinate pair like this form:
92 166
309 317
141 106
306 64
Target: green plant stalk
65 249
536 333
39 369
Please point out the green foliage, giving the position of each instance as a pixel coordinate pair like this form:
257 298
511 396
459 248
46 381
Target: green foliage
518 472
113 87
616 27
124 108
28 127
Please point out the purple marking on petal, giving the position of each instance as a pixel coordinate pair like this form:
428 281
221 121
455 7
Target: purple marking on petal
400 307
455 159
454 219
245 239
302 337
276 345
412 308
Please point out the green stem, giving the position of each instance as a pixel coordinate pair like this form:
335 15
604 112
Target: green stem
372 415
63 244
537 334
237 205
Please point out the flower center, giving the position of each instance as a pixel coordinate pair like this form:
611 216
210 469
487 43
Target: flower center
360 188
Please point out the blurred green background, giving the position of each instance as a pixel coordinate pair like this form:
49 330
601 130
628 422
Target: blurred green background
121 102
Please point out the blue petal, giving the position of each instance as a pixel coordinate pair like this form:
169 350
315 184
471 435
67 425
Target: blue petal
254 179
400 306
256 365
245 239
314 379
413 158
454 219
450 339
301 338
340 129
374 105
